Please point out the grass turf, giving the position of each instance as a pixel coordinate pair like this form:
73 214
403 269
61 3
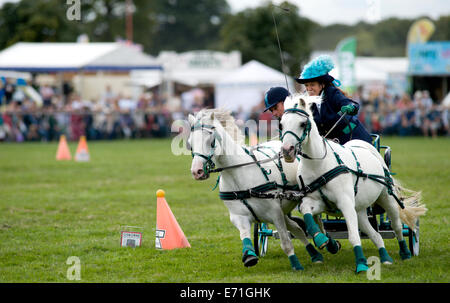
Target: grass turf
51 210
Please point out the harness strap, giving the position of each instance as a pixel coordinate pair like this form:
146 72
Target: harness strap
250 153
251 210
256 192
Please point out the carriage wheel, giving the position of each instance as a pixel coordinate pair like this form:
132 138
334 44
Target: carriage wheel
260 239
413 238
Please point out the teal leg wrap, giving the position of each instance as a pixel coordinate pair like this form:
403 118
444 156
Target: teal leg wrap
249 256
405 254
320 240
361 261
295 263
384 256
316 257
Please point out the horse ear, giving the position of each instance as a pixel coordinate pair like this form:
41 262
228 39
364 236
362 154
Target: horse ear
191 119
302 103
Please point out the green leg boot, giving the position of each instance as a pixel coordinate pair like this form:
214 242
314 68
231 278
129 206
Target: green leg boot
316 257
249 256
384 256
295 263
361 261
320 240
405 254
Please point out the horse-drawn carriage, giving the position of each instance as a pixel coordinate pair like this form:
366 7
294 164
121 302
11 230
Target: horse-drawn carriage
353 177
336 227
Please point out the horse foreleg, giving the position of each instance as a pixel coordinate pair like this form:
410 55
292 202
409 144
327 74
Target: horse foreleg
366 227
347 206
285 239
309 208
243 223
297 231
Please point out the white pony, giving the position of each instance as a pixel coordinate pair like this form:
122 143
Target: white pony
216 140
349 177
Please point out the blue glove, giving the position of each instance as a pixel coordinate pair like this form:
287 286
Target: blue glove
349 110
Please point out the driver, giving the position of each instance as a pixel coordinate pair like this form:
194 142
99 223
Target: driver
334 103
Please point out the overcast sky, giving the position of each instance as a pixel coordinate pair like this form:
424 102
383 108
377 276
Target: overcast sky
351 11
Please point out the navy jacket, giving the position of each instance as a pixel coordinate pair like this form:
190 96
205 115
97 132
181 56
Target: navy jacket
333 100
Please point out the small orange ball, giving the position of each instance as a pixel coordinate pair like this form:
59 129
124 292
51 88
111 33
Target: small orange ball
160 193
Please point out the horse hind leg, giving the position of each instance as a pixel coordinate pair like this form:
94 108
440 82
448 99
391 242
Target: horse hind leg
347 207
392 210
297 231
367 228
243 223
285 240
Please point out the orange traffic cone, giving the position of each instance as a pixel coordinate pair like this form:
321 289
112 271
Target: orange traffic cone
63 152
82 150
168 233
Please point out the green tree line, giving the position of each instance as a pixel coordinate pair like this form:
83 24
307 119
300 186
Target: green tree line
183 25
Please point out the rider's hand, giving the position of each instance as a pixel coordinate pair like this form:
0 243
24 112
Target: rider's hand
349 110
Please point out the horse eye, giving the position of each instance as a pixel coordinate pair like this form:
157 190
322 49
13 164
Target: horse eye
303 124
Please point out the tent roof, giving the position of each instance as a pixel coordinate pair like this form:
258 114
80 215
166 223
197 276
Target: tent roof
52 57
253 72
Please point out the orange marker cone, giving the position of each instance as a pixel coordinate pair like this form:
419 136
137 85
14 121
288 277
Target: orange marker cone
82 150
63 152
168 233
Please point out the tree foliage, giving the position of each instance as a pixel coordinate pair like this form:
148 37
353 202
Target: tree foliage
253 32
183 25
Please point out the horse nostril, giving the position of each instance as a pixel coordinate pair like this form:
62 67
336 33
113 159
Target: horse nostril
200 172
291 148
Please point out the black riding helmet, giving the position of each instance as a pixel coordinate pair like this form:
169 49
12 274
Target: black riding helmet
274 96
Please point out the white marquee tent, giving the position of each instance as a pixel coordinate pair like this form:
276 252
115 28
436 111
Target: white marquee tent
245 87
66 57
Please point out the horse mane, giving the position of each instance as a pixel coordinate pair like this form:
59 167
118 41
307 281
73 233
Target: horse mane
295 101
228 123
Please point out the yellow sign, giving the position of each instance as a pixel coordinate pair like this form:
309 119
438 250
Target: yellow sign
420 31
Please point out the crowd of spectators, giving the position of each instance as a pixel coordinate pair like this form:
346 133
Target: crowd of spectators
115 116
402 115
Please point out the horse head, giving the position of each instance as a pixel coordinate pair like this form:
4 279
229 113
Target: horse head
296 124
203 142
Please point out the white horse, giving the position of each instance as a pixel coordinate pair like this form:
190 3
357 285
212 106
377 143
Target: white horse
349 177
216 140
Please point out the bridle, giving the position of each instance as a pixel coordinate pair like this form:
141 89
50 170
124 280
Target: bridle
306 133
209 165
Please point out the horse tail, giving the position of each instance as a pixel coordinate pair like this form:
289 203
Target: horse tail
412 200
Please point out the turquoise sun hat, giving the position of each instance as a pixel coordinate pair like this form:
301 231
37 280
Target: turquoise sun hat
317 70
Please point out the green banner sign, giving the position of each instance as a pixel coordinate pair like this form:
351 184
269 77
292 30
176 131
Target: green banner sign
346 53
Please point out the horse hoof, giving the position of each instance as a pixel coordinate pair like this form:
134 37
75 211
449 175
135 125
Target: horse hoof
333 246
249 259
361 268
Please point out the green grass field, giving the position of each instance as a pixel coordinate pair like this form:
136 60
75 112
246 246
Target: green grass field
51 210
